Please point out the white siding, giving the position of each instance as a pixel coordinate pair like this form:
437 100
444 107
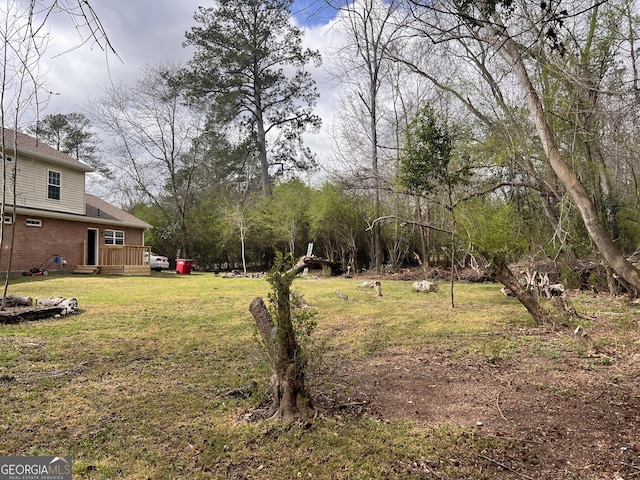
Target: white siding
33 177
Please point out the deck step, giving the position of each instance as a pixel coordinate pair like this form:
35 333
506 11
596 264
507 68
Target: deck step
87 269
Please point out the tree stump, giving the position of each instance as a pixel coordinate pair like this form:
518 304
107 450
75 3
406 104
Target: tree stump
291 399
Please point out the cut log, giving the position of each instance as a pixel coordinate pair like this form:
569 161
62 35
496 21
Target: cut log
51 302
68 305
18 301
367 284
425 286
31 313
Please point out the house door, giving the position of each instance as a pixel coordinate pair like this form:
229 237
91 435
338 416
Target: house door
92 246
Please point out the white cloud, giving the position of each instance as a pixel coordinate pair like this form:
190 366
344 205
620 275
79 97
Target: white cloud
142 32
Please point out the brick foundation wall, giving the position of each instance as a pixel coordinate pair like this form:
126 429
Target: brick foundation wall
37 247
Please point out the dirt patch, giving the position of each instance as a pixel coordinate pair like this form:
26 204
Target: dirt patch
569 416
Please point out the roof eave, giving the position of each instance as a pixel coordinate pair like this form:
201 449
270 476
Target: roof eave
77 218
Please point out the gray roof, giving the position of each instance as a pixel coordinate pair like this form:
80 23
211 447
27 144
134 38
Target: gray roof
99 209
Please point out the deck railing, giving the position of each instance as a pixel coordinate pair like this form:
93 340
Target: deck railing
123 255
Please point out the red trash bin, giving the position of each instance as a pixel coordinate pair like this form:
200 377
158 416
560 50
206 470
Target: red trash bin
183 266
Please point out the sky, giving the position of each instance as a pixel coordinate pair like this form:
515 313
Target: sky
149 32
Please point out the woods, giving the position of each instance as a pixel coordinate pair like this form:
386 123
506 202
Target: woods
467 134
474 133
520 136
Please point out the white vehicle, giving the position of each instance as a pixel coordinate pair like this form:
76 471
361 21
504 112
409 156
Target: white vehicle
158 262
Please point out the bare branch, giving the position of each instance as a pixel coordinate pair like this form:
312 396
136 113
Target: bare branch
82 15
404 221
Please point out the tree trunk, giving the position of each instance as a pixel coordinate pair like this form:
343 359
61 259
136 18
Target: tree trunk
609 251
291 399
16 301
262 143
500 271
424 235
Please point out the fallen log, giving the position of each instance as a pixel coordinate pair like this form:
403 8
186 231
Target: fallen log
33 313
317 263
425 286
298 301
43 308
341 295
18 301
68 305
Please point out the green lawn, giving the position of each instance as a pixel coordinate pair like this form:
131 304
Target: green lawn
132 387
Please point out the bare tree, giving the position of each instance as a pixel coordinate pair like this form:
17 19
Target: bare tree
155 142
517 34
20 56
472 81
362 63
237 215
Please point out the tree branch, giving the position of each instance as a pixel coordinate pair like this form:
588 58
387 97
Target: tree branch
407 222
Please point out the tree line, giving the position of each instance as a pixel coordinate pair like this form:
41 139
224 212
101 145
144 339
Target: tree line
484 130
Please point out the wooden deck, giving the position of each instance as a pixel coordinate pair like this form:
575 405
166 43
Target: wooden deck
125 269
120 260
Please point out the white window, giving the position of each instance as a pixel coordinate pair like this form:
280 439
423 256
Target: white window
53 190
113 237
8 159
8 219
34 222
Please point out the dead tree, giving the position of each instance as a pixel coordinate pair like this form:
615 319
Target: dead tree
500 271
291 399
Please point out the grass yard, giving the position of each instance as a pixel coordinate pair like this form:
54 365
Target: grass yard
135 386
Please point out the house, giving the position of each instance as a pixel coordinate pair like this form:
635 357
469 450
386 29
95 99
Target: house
58 226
